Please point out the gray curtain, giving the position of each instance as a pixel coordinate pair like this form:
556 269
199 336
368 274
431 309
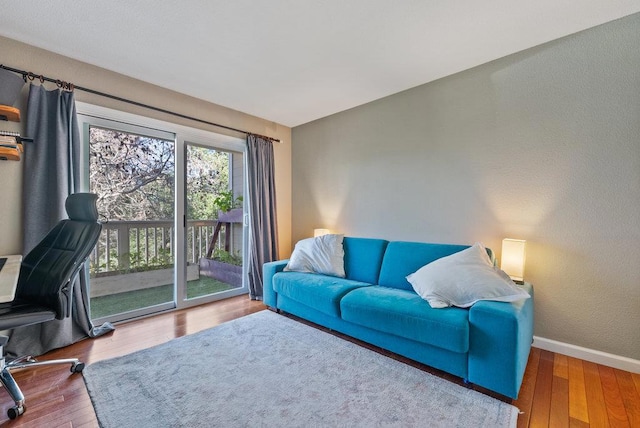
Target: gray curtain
263 230
50 174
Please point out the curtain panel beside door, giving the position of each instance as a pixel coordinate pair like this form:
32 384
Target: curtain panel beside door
263 230
50 174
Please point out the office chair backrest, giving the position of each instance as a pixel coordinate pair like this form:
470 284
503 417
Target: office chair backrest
47 272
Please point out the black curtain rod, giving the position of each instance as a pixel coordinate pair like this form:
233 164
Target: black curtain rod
70 87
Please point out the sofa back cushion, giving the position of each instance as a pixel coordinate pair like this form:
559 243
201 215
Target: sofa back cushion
404 258
363 258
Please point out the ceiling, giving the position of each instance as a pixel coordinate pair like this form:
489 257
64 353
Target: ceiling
294 61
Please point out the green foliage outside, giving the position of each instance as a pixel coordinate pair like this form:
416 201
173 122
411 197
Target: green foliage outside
207 180
223 256
159 258
225 201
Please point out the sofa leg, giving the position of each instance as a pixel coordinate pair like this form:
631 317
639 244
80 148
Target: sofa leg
467 383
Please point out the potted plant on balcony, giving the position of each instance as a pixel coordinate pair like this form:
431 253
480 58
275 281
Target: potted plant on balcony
229 208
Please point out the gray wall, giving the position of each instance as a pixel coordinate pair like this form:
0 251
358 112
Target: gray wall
543 145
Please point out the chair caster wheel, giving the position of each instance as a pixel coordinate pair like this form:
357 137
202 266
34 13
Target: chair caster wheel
77 367
16 411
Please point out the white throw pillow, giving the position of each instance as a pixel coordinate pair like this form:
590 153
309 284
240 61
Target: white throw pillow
464 278
322 254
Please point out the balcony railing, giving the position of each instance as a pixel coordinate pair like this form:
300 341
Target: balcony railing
132 245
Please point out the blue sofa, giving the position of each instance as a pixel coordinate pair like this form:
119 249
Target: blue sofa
487 344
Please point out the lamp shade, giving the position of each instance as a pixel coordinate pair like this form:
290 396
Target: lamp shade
513 258
320 232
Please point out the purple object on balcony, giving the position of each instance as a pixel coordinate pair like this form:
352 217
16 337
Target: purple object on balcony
225 272
234 215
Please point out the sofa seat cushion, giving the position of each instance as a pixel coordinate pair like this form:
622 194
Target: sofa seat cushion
406 314
320 292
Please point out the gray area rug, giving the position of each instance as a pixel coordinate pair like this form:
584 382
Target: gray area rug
268 370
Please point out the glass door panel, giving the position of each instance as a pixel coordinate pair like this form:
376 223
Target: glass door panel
132 268
214 221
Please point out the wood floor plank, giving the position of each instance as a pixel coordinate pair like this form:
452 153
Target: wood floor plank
577 393
527 390
595 396
636 381
613 400
630 396
541 407
560 366
559 415
56 398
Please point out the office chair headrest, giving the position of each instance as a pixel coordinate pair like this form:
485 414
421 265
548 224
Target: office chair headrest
82 207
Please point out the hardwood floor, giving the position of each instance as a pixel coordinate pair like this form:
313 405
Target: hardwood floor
557 390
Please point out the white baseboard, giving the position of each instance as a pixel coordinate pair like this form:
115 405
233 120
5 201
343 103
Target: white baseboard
598 357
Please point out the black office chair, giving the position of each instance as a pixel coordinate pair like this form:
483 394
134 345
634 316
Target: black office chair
45 285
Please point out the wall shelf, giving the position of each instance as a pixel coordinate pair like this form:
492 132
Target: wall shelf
11 145
9 113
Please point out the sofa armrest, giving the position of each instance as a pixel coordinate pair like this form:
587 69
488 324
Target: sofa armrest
500 337
268 270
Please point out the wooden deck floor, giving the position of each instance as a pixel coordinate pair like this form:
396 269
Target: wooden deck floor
557 390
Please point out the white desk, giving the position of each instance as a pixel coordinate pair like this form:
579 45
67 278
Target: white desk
9 277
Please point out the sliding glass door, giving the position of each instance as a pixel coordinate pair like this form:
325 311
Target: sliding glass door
173 216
